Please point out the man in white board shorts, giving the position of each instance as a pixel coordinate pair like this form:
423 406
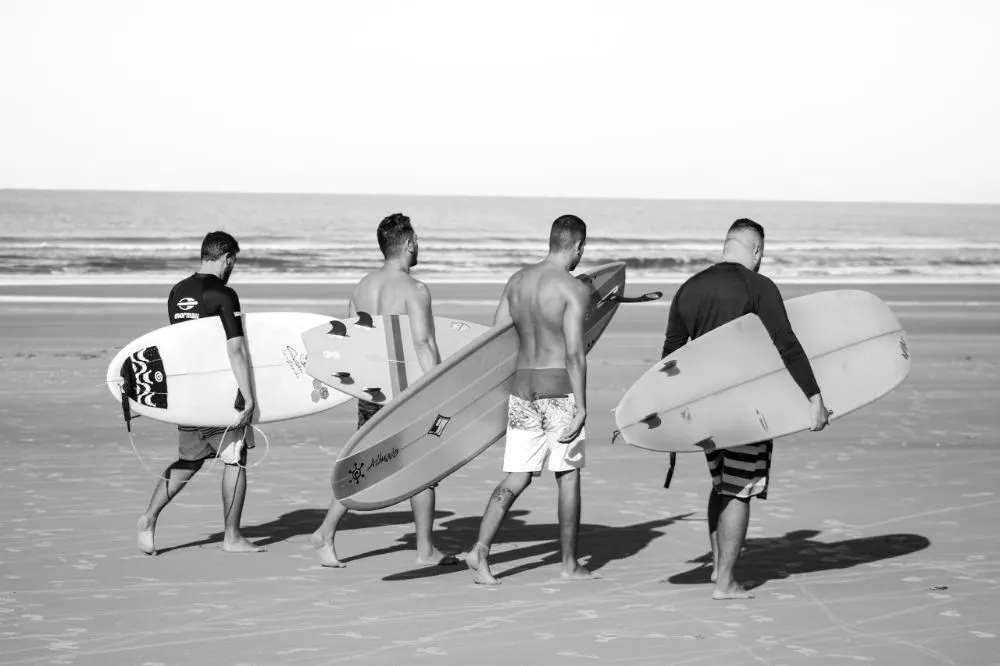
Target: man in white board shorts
387 291
717 295
547 406
207 294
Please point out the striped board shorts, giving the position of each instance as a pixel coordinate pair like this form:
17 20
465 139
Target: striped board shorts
741 471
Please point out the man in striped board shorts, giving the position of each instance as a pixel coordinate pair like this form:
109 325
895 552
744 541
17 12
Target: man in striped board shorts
717 295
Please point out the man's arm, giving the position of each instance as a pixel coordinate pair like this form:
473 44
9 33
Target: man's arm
677 331
239 357
576 355
418 307
771 310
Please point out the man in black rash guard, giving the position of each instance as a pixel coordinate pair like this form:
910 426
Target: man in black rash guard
716 296
205 294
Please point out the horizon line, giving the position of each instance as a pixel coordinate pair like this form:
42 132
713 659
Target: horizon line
873 202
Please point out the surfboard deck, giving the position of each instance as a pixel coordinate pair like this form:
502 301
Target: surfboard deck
730 386
452 414
373 358
183 376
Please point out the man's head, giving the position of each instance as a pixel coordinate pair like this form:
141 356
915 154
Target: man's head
745 240
219 246
568 237
396 238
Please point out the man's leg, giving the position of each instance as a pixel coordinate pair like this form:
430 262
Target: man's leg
714 508
569 525
734 517
496 511
323 537
423 521
234 492
172 482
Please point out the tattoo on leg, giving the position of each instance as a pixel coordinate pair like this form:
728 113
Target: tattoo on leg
502 496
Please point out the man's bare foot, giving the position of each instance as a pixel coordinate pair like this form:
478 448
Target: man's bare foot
437 558
241 545
145 528
479 566
578 572
327 554
734 591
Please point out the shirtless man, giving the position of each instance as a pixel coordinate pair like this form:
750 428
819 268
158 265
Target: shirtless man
547 406
207 294
392 290
715 296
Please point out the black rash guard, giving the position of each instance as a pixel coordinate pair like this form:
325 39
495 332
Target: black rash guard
203 295
725 292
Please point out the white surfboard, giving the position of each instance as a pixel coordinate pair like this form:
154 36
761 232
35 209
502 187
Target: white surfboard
730 386
450 415
372 358
182 373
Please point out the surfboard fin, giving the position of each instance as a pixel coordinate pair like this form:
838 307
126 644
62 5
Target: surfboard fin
376 393
337 328
342 375
364 319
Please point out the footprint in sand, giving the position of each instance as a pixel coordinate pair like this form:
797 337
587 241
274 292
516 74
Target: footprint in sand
982 634
544 637
782 596
736 607
549 590
437 652
726 634
912 579
951 613
762 619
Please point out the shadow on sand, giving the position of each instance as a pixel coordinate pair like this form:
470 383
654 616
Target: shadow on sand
305 521
598 544
798 553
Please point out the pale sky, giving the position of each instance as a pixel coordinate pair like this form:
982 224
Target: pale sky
842 100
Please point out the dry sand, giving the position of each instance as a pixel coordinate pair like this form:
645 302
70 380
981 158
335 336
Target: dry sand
879 543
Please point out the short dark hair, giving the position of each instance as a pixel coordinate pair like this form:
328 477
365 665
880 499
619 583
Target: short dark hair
746 223
217 244
393 232
566 230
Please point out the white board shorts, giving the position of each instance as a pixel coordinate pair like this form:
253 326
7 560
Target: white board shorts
533 431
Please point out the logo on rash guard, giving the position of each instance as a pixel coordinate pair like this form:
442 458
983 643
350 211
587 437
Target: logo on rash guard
186 304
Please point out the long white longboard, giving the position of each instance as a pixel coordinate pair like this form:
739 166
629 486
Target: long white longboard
450 415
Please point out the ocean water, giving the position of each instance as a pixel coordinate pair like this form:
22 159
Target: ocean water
49 237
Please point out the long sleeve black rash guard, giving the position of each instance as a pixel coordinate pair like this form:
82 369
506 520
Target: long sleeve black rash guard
725 292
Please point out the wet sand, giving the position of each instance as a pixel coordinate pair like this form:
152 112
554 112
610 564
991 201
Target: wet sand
879 543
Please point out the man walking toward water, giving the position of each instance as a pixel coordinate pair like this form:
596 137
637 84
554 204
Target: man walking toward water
206 294
547 406
391 290
716 296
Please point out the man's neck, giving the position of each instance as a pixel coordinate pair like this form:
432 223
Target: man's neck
211 268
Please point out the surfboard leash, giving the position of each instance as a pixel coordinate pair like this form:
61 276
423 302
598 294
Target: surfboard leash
267 448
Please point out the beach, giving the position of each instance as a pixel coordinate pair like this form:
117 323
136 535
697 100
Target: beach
878 543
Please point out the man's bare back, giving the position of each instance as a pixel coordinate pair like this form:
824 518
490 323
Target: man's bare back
390 291
538 298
